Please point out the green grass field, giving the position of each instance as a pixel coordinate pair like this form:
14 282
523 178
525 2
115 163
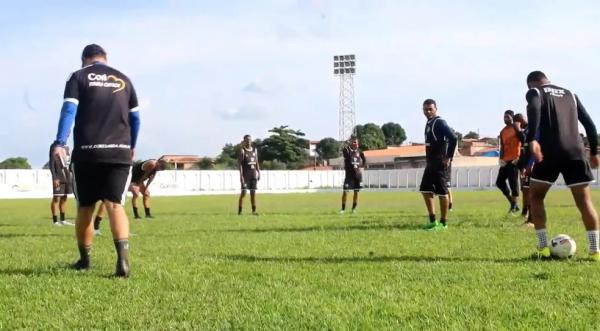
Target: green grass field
300 265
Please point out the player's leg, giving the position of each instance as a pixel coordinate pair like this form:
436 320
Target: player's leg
253 201
86 180
513 182
501 184
427 189
99 215
441 190
114 196
355 200
537 194
428 198
62 205
583 200
578 175
85 234
241 201
134 188
444 207
146 200
53 203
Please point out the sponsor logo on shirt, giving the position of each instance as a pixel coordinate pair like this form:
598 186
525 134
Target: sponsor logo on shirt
105 80
559 93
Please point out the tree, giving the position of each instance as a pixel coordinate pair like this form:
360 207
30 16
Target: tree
284 145
394 134
370 136
228 159
205 164
15 163
471 135
328 148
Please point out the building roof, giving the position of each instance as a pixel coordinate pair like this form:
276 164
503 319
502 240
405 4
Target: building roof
181 158
396 151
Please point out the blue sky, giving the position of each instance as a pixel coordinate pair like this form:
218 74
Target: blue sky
208 72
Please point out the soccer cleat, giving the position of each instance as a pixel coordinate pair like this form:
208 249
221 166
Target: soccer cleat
57 224
354 211
341 212
66 223
137 217
97 233
81 265
595 256
542 254
528 224
122 269
431 225
254 213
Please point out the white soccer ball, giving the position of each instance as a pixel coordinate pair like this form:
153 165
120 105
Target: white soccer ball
563 246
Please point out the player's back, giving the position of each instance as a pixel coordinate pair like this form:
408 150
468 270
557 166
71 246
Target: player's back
558 131
105 97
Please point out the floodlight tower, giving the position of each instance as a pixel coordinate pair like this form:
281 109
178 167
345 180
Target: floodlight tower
344 66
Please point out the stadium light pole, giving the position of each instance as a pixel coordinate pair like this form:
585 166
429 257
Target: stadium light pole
344 66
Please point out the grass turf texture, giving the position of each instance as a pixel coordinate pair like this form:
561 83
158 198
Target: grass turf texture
300 265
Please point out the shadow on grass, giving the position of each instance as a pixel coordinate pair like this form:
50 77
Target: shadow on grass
25 235
363 226
373 259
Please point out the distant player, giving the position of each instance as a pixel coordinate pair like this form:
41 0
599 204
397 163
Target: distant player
554 114
61 186
510 150
102 103
354 165
524 165
249 173
142 175
440 144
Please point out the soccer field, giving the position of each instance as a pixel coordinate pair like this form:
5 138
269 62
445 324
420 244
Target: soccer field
300 265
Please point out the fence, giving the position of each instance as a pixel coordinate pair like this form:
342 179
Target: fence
37 183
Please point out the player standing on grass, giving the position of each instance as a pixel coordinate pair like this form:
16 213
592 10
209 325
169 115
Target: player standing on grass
142 175
440 144
510 149
554 113
524 165
102 103
249 173
354 165
61 186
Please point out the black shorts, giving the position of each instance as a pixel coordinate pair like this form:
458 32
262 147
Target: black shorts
353 183
62 189
249 184
434 180
448 175
575 172
100 181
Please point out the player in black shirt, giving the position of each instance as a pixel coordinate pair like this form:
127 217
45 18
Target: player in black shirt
249 173
524 165
354 165
554 114
440 144
102 103
142 175
61 186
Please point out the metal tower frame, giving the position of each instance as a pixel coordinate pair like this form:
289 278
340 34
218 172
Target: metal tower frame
344 66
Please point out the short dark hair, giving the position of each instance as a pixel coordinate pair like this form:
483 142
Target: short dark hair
509 112
92 50
519 117
536 76
246 136
429 102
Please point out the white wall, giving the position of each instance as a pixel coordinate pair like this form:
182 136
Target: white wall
37 183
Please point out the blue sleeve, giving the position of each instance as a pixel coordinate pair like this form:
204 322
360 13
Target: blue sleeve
134 125
67 118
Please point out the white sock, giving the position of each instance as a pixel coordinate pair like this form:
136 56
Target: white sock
593 241
541 236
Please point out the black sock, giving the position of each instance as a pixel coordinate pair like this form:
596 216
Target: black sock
343 206
450 205
84 254
122 247
239 210
97 221
62 217
54 218
147 211
135 212
443 221
354 205
431 218
253 208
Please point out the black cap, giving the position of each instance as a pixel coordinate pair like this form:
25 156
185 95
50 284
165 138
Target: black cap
92 50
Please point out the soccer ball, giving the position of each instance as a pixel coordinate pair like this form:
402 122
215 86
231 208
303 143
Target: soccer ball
563 246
